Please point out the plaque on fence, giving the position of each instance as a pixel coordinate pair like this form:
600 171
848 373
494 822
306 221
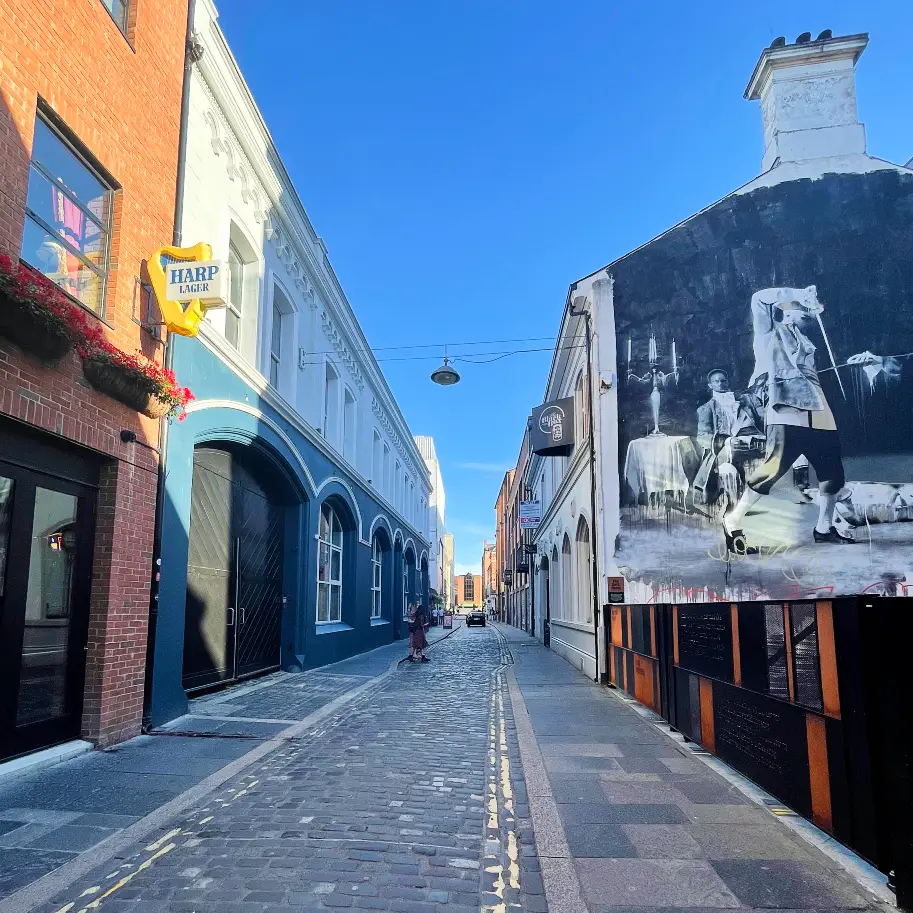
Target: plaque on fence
705 640
766 740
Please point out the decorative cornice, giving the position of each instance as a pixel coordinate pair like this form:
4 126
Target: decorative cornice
345 356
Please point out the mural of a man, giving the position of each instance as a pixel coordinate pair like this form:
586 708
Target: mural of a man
799 420
730 429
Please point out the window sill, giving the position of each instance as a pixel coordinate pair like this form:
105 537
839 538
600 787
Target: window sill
572 625
377 622
332 627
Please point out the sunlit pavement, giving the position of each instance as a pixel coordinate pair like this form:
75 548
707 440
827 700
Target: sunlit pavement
409 797
415 788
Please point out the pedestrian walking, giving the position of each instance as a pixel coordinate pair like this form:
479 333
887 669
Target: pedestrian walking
418 625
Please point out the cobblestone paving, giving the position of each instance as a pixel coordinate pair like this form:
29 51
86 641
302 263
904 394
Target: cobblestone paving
293 698
409 799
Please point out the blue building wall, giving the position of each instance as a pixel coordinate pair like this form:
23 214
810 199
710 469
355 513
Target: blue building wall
228 410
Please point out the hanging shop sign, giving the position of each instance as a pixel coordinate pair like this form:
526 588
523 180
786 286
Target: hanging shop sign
552 428
522 561
508 576
187 282
530 514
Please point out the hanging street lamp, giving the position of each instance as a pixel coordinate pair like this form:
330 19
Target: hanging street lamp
446 375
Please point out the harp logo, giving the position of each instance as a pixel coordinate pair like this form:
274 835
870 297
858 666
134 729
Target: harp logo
187 282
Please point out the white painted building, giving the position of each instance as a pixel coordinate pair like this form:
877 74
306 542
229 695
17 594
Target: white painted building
435 508
289 326
331 516
811 132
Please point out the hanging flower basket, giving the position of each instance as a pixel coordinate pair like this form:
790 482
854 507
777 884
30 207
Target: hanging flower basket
133 380
127 387
36 315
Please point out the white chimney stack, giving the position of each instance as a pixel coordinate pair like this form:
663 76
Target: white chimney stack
807 92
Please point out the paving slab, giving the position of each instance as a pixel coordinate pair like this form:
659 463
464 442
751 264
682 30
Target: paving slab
650 827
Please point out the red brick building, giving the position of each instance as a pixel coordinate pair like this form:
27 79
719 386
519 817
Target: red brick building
90 102
467 592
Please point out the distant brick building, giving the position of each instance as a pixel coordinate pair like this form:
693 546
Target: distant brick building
89 137
467 592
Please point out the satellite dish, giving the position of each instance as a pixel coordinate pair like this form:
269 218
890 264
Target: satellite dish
804 38
826 35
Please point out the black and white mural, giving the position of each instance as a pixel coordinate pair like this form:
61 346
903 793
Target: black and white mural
765 355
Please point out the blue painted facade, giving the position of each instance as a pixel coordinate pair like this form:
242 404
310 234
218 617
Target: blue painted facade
230 411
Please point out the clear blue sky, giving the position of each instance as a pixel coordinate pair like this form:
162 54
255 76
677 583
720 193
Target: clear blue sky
466 160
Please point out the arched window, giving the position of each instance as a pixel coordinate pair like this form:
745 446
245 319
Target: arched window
331 404
329 567
377 578
567 581
236 277
581 411
349 426
584 572
554 582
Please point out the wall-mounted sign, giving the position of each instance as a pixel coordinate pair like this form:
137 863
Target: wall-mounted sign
206 280
192 267
522 561
530 514
552 428
508 576
616 589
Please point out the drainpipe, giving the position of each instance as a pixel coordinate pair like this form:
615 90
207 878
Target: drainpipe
193 52
583 312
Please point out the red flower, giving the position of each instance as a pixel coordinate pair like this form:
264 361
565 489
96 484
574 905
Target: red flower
45 299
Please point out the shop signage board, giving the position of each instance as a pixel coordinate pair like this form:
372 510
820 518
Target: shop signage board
530 514
206 280
616 590
552 428
187 282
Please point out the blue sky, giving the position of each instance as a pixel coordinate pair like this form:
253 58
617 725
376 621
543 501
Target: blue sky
466 160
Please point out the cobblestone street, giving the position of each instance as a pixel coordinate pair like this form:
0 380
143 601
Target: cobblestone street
408 798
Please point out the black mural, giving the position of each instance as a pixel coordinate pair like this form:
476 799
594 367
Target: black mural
766 405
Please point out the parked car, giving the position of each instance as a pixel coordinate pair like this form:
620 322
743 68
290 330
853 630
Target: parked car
475 617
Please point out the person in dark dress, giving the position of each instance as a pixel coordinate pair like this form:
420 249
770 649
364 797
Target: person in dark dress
418 625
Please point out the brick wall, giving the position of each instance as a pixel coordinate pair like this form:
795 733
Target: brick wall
120 97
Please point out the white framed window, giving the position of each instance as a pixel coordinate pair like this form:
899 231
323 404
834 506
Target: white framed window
567 581
412 510
331 404
275 347
377 462
236 277
349 418
377 579
387 486
398 487
584 573
329 567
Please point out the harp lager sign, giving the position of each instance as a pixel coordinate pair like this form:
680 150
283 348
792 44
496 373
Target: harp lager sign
203 279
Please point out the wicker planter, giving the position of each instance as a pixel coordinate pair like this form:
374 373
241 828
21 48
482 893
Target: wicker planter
40 336
124 386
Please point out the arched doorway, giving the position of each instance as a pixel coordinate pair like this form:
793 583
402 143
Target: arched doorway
233 616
